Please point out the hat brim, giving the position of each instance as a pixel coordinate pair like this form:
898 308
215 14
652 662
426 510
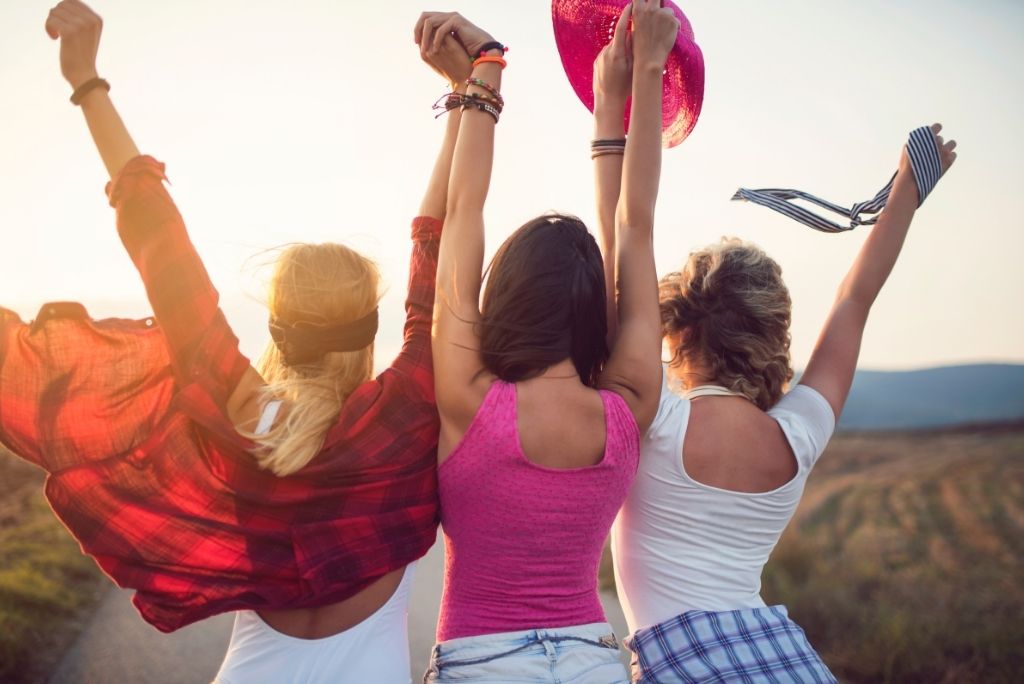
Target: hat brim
584 27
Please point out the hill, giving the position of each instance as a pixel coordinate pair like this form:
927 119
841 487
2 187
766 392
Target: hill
934 397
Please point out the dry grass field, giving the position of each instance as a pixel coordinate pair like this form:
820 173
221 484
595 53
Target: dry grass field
46 585
903 564
905 560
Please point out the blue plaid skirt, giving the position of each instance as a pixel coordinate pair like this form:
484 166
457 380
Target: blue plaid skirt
751 645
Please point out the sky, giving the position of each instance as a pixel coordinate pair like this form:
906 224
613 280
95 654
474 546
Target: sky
310 121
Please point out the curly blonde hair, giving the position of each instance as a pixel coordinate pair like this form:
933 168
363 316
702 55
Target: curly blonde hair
728 311
324 284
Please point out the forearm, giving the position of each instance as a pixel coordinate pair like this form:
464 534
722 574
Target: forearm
878 255
474 151
641 169
608 125
462 245
109 133
436 198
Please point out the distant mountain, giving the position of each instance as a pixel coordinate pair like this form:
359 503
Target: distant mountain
934 397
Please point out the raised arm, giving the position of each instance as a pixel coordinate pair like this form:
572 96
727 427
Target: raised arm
451 61
834 360
456 309
634 369
613 75
78 28
202 345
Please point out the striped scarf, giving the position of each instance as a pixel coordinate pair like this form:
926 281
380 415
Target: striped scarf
924 160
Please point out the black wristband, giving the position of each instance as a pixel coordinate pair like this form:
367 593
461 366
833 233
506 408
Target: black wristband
493 45
86 88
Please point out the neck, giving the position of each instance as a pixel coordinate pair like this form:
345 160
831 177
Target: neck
689 377
563 370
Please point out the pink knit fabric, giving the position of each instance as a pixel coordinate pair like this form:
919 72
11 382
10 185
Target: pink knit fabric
523 541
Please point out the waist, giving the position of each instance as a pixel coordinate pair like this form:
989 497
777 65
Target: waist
475 613
329 620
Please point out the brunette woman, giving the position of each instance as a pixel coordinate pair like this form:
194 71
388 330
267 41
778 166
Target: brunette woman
540 424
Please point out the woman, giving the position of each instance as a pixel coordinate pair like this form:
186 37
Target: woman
526 503
723 466
310 526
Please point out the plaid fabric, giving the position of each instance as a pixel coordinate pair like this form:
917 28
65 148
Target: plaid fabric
751 645
148 473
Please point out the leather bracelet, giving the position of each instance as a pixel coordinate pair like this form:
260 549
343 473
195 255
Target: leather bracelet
86 88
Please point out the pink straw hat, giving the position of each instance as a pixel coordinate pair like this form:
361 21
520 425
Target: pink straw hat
584 27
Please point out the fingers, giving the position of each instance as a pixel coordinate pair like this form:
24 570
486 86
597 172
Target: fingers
58 22
936 128
622 27
422 30
67 16
950 146
443 31
52 26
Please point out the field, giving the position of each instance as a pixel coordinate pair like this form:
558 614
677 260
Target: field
46 585
906 558
903 564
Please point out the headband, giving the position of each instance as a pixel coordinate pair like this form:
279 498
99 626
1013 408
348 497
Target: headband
306 342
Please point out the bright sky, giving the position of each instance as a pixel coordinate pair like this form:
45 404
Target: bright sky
311 121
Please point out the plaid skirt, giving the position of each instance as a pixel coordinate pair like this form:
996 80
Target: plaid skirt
750 645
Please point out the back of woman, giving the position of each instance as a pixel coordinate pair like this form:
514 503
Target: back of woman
720 481
541 568
540 423
724 465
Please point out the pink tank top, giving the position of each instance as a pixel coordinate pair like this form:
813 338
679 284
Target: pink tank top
523 541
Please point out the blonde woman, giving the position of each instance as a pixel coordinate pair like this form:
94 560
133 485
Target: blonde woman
723 465
299 493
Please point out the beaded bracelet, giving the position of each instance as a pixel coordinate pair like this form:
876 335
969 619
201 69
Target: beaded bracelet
480 83
490 59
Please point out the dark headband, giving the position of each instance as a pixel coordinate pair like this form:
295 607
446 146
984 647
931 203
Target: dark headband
305 342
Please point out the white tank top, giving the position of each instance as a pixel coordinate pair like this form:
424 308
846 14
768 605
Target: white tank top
680 545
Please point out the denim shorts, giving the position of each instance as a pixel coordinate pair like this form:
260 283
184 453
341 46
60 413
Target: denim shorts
585 654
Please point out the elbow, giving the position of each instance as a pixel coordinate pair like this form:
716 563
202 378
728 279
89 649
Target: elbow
629 221
855 300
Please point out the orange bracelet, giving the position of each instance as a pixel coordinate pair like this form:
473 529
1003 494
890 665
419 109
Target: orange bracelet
490 59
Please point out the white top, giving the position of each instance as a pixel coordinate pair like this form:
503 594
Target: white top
268 416
376 650
680 545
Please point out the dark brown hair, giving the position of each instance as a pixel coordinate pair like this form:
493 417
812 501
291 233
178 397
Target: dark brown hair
731 312
544 301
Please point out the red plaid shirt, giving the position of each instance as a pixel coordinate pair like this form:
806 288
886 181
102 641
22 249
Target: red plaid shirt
150 476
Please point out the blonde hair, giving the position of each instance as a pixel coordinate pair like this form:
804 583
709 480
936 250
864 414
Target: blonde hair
323 284
729 311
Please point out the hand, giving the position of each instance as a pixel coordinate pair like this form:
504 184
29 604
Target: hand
78 29
946 154
654 33
451 61
432 27
613 68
